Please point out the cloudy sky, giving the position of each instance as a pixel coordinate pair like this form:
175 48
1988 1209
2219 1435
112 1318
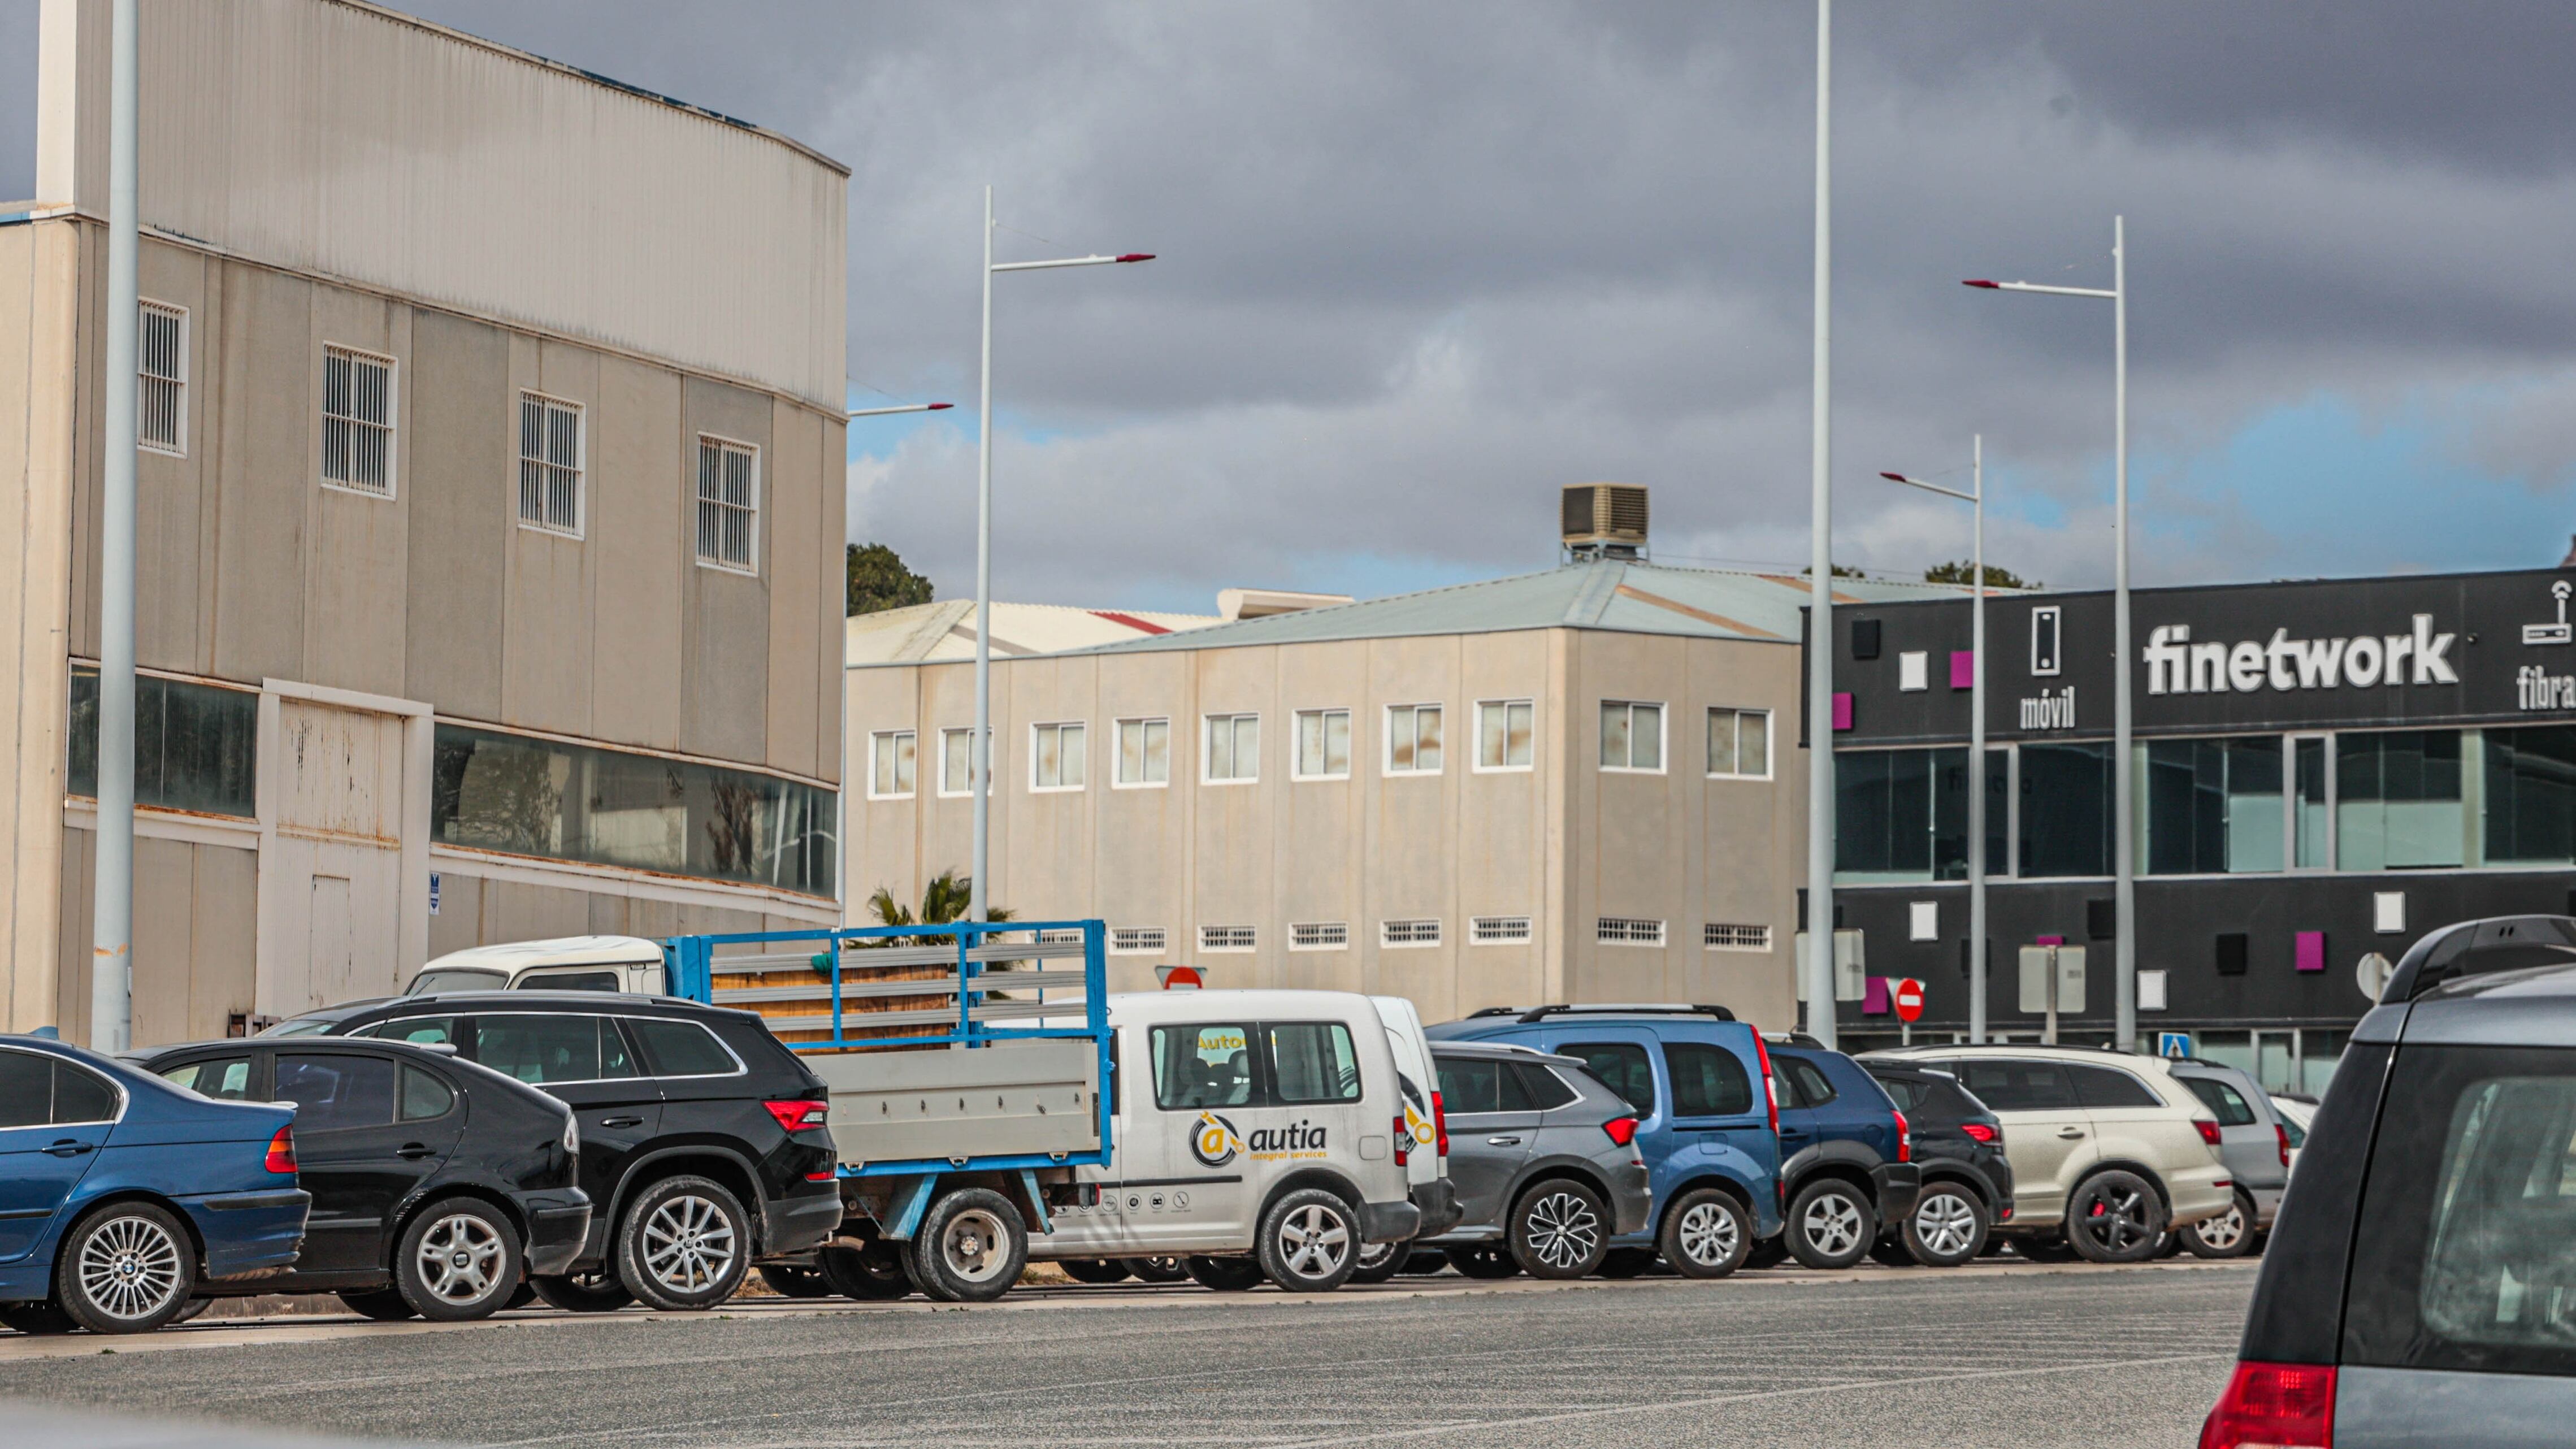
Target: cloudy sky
1424 263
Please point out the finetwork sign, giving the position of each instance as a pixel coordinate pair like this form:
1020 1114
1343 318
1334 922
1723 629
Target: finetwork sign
2176 665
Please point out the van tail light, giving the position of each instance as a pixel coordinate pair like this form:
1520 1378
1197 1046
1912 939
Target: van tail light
2274 1406
1622 1130
1979 1131
798 1114
2281 1135
281 1151
2208 1130
1770 1090
1904 1138
1440 1123
1403 1141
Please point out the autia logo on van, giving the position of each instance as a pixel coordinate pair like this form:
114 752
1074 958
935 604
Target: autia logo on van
1214 1141
1271 1144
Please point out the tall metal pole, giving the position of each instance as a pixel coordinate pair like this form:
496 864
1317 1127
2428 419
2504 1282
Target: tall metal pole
1977 757
2124 887
1820 626
111 984
979 748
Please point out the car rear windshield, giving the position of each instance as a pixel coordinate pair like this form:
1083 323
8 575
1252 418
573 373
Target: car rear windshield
1708 1081
2469 1259
2222 1099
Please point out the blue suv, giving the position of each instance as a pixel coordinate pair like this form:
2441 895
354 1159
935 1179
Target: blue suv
1701 1083
1847 1166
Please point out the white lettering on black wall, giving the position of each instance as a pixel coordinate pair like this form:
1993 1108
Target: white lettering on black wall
2176 665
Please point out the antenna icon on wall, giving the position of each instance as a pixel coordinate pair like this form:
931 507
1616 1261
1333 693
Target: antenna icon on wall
2560 632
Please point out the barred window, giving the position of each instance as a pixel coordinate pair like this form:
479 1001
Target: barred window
1717 936
1225 938
1319 935
1408 933
549 463
161 378
1499 930
728 504
1136 941
358 420
1628 931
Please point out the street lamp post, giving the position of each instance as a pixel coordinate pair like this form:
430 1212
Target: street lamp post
1976 497
1819 965
979 748
2124 890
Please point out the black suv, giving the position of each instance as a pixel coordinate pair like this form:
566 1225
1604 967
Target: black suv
1967 1180
436 1183
703 1139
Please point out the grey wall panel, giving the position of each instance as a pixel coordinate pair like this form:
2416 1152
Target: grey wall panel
169 491
636 521
727 618
459 922
354 597
546 629
223 940
795 489
461 481
266 473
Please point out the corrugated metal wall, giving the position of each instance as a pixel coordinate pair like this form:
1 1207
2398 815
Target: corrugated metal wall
339 138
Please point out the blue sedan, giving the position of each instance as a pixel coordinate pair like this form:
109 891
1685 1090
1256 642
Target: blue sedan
120 1193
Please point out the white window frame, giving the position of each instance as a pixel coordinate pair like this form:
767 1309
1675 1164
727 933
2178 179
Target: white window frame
178 380
1386 739
1228 940
1628 931
1059 726
1319 936
1731 936
697 514
1207 747
1769 735
967 788
580 466
1476 759
1297 744
392 424
1408 935
1118 752
1137 940
912 735
1663 736
1500 931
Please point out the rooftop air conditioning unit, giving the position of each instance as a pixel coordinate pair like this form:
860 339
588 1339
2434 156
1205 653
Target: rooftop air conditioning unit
1605 520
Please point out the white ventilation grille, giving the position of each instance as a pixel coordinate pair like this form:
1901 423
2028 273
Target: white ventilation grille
1718 936
1408 933
1226 938
1136 941
1319 935
1499 930
1628 931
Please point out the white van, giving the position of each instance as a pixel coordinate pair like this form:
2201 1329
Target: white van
566 963
1428 1170
1258 1134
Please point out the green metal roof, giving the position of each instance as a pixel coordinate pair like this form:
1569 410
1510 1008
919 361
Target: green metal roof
1620 597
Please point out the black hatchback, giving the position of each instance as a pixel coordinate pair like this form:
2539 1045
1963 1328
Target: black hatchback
1967 1180
437 1185
704 1139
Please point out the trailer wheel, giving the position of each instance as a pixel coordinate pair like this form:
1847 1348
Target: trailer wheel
970 1247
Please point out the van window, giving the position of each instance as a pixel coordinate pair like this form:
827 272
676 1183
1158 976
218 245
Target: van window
1708 1081
2221 1099
1622 1066
570 981
1313 1061
1545 1089
2018 1086
1206 1065
2471 1196
2106 1087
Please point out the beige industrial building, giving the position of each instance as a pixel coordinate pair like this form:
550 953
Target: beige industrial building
1584 784
490 512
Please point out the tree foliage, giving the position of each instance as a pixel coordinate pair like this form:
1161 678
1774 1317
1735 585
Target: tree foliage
1963 570
878 580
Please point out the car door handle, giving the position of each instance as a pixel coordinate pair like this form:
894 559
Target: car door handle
621 1121
413 1150
2071 1134
1502 1142
70 1147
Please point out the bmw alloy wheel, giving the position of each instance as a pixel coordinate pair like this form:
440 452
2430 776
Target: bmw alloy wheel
974 1245
1708 1234
1314 1241
1563 1229
130 1268
460 1258
1832 1225
688 1244
1945 1224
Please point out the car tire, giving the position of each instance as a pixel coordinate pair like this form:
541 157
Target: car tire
196 1307
1771 1252
384 1305
875 1273
788 1281
1560 1229
1095 1270
1158 1270
35 1319
1310 1241
1706 1234
2114 1217
970 1248
1627 1262
1484 1260
1948 1227
596 1291
126 1268
458 1261
684 1245
521 1296
2229 1235
1831 1225
1889 1251
1226 1275
1380 1261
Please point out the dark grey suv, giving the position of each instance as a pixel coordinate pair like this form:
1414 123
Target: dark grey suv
1544 1158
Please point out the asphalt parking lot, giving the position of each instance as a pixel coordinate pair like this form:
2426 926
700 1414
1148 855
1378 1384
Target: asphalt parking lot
1990 1355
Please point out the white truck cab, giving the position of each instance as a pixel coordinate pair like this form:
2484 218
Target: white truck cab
1260 1134
566 963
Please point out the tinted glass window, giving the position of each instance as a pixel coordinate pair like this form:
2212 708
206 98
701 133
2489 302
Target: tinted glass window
2298 1134
2223 1100
81 1095
26 1089
424 1096
2017 1086
1908 1094
1622 1066
1314 1061
1208 1065
224 1077
1708 1081
539 1046
1784 1086
455 979
336 1090
2105 1087
1543 1087
571 981
1469 1084
680 1048
426 1030
614 1060
1814 1088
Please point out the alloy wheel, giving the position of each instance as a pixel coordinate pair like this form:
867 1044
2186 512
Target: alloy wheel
974 1245
1832 1224
1563 1229
129 1268
460 1258
1945 1224
1314 1241
2222 1232
1375 1254
688 1244
1708 1234
2117 1218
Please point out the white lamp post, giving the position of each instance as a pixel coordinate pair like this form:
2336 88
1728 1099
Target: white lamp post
1976 497
979 748
2124 890
1819 965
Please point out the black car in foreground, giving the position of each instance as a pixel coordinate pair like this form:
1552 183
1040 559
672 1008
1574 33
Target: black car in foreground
1967 1181
704 1144
437 1185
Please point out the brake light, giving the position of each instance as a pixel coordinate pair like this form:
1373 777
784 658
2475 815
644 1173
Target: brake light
2208 1130
2281 1135
281 1151
2274 1406
1622 1130
1978 1131
1904 1138
1403 1141
824 1176
798 1114
1440 1123
1770 1091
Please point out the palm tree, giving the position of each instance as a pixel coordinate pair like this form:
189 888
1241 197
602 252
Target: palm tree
943 901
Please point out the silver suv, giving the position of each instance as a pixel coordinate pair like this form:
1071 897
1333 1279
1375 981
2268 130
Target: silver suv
1544 1158
2255 1147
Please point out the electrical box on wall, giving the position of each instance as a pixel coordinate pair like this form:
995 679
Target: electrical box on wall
2036 964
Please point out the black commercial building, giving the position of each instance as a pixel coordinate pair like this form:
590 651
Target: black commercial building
2324 771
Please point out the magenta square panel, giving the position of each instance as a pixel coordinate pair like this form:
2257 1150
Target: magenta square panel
1874 997
1842 711
2312 950
2048 940
1963 669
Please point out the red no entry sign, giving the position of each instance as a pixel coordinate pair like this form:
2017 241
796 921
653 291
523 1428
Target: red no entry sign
1179 978
1909 999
